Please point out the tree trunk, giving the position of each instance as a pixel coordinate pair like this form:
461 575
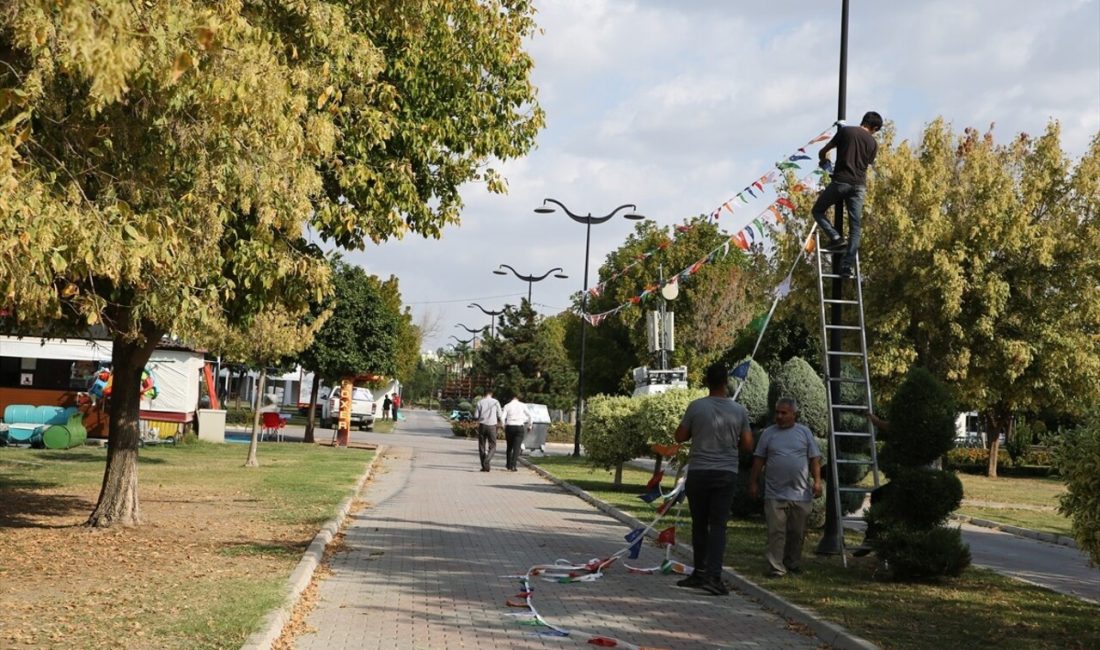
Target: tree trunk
619 475
118 496
254 440
311 413
999 421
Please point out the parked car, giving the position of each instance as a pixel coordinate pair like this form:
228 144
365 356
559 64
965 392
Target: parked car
363 408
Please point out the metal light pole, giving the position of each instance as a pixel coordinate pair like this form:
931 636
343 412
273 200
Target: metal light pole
832 542
470 330
587 220
531 279
492 317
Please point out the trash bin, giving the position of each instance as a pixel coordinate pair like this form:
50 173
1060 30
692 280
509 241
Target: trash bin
212 425
535 439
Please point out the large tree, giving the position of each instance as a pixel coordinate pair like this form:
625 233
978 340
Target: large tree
527 358
359 338
980 264
160 162
714 304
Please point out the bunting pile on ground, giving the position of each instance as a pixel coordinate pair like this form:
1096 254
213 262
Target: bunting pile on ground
565 572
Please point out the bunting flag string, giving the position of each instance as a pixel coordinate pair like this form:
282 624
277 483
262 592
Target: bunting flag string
744 239
790 162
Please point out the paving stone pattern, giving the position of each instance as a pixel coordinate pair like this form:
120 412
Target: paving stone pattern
424 562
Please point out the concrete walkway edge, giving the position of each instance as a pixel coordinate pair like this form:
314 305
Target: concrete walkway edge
831 633
300 577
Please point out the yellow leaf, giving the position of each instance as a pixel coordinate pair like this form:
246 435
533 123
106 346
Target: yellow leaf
182 63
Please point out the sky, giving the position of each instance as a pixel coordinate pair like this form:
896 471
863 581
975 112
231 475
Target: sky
676 106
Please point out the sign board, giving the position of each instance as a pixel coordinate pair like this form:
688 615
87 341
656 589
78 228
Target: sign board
26 379
343 427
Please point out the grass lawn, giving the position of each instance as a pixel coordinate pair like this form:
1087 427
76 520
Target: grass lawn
216 544
1027 502
383 426
981 609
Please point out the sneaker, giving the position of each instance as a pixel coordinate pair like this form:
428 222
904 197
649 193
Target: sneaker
837 246
847 273
692 581
715 587
776 574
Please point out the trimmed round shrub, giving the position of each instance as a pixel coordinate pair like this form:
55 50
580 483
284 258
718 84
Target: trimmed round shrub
799 380
754 393
919 497
610 433
465 407
914 554
658 415
922 422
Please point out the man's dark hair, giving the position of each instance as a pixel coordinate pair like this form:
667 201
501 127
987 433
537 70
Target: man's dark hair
718 376
872 120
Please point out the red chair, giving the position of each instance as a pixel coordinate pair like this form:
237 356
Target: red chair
273 425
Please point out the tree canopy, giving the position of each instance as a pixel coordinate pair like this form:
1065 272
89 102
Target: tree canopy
160 162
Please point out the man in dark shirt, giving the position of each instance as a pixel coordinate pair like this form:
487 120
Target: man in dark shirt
855 151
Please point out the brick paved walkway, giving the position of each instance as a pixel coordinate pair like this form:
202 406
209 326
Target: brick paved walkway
424 561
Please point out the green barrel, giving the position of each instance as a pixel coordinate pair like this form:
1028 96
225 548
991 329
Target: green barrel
66 436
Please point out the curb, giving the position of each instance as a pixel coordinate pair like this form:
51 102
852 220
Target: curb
832 634
272 626
1050 538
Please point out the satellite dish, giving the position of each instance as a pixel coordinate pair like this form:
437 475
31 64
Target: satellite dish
670 290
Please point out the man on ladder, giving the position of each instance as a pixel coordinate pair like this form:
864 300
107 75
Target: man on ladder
855 151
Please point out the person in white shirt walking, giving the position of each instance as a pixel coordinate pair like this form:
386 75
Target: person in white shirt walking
489 416
516 421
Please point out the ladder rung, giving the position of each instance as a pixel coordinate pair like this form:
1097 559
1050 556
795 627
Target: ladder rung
847 380
854 328
852 434
833 301
849 407
838 353
844 461
845 488
837 275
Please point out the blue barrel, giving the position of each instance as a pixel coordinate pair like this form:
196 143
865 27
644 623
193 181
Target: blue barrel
24 432
20 413
52 414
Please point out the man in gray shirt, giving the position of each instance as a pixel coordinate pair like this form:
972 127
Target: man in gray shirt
791 455
716 426
488 415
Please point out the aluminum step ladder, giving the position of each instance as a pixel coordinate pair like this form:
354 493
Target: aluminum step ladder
851 445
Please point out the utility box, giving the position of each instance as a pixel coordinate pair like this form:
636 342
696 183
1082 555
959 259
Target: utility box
211 425
535 439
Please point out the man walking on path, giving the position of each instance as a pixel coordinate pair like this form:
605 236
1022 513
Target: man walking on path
716 426
855 151
516 421
489 416
791 456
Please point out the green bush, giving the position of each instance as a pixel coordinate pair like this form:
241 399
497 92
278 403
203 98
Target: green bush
922 422
754 393
464 429
1078 460
799 380
560 432
919 498
1038 457
1019 441
916 554
658 415
465 407
974 458
610 433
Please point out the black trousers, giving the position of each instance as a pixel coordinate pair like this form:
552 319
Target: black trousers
486 444
513 437
709 493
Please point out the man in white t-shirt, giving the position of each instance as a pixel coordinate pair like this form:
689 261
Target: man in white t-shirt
516 421
791 455
489 416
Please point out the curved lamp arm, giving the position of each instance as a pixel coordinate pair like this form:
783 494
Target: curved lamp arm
471 331
588 219
484 310
532 278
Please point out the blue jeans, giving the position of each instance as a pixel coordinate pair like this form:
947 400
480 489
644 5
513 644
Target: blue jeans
853 196
709 493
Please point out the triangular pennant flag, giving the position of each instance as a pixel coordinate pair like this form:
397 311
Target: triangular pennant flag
696 266
634 534
748 231
668 451
798 157
741 371
787 165
636 549
775 213
595 291
820 138
667 536
683 228
768 178
784 288
655 480
739 239
785 202
651 496
758 185
759 226
742 197
726 248
726 205
603 642
749 190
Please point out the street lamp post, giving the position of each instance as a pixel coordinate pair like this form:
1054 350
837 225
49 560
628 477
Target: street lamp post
587 220
531 279
470 330
492 317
